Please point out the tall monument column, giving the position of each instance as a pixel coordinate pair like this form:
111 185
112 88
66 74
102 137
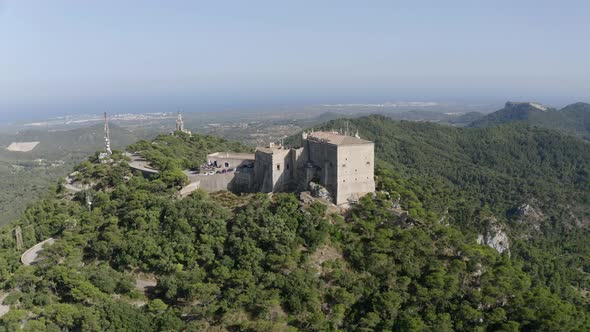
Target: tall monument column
179 123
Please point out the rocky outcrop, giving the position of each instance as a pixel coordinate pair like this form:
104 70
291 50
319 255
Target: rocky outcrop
306 199
527 211
525 105
530 216
319 191
494 236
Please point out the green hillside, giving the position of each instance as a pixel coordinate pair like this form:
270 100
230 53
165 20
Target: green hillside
221 262
457 119
26 175
573 119
465 174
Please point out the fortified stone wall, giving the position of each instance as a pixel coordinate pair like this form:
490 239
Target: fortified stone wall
300 178
275 169
355 172
282 169
344 165
242 182
216 182
263 172
233 181
324 157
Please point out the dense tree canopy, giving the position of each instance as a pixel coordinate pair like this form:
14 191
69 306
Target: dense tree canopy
259 262
462 174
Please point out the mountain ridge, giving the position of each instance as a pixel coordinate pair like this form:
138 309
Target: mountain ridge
573 119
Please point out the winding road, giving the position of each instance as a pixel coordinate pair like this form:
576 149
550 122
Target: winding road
72 187
29 256
140 164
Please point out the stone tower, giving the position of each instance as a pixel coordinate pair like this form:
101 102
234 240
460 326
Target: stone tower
179 123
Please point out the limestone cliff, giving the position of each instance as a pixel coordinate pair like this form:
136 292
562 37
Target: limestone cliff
494 236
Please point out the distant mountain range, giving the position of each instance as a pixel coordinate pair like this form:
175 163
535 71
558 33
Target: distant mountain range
573 119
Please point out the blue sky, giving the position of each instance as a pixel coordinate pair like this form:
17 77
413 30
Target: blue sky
158 55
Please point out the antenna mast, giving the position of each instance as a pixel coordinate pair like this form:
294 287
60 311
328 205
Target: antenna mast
88 197
89 201
107 137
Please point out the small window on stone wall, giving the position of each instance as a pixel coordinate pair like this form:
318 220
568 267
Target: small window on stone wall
278 167
287 166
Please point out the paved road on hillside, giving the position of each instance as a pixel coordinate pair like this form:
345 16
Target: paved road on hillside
138 163
30 255
72 187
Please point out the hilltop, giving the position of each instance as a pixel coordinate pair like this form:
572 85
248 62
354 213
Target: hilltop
573 119
406 258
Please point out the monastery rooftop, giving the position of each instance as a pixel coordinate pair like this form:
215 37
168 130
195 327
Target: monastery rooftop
336 138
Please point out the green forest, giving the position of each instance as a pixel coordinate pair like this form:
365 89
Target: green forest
254 262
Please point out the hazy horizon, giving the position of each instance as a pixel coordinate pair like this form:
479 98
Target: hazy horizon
64 57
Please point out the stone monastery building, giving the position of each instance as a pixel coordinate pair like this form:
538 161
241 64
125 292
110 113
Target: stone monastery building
343 165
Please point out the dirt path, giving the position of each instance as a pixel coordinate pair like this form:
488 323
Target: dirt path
145 284
3 308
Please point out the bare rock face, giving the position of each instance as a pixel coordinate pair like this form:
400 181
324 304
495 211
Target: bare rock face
525 105
494 236
306 199
529 212
529 215
319 191
397 202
